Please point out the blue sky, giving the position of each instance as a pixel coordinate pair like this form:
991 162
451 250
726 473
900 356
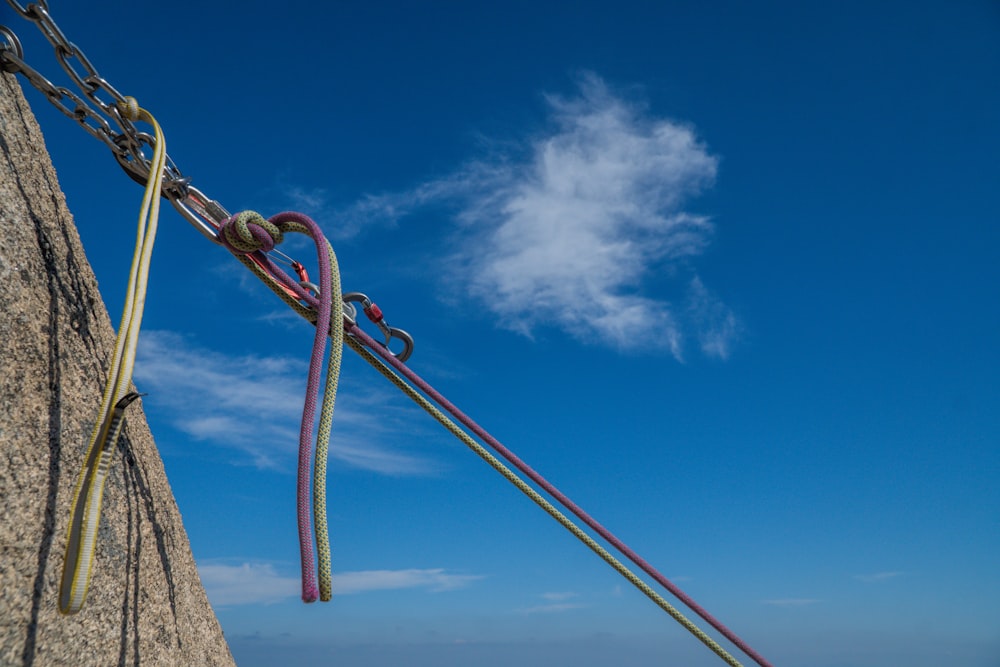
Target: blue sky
726 273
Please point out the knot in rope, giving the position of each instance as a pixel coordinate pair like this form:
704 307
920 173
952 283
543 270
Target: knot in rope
129 108
248 232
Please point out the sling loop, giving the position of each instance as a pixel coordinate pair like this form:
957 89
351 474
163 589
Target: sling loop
86 512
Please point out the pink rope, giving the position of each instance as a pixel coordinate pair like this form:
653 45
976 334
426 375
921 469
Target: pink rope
310 589
495 444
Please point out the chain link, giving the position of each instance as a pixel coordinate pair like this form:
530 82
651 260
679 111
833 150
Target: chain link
127 141
68 102
89 82
25 11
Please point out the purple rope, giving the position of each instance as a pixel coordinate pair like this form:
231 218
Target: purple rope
310 589
512 458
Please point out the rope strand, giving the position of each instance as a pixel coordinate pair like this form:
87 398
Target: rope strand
248 236
537 498
564 500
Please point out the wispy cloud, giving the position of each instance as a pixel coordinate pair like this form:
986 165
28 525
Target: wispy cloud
714 323
554 608
558 597
254 404
246 583
435 580
555 603
791 602
230 584
571 228
878 576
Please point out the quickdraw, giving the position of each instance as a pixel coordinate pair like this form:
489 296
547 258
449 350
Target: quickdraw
251 239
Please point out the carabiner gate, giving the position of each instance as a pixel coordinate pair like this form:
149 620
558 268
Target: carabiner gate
374 314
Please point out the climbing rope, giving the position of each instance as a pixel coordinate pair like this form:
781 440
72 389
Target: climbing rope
86 512
358 335
360 342
249 237
564 500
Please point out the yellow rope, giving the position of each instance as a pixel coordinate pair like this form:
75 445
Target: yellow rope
86 512
324 563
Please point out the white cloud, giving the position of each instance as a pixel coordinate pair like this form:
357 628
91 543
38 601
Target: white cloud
878 576
254 404
259 583
556 602
570 233
554 608
435 580
246 583
715 324
559 597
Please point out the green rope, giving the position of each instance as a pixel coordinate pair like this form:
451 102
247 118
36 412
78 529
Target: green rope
323 434
320 521
523 486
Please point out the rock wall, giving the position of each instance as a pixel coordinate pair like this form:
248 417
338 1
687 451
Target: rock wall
146 604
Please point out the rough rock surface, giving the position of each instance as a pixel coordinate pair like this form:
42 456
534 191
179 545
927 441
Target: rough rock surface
146 604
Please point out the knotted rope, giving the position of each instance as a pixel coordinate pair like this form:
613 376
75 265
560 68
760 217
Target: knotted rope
248 235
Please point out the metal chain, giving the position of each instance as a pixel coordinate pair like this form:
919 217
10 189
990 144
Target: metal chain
127 141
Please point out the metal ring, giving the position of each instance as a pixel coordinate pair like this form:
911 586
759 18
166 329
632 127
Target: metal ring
131 158
13 44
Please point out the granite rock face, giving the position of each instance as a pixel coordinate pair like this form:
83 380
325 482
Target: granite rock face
146 604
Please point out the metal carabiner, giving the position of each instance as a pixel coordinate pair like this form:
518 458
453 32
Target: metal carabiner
407 343
206 215
374 314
